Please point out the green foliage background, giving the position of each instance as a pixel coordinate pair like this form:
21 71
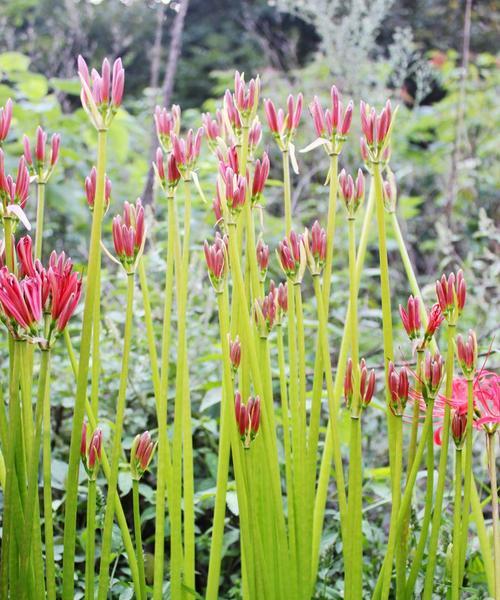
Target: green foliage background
433 153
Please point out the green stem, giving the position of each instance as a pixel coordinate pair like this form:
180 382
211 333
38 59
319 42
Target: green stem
467 476
90 545
394 424
443 459
33 462
116 447
40 209
422 540
96 351
120 515
330 441
490 443
50 571
165 475
482 534
287 192
93 276
403 541
457 509
354 512
138 537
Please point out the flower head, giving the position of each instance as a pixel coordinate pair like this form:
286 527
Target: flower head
102 93
247 418
166 124
376 129
169 174
141 454
217 261
91 188
467 353
315 244
129 235
334 123
459 428
5 120
284 126
352 192
260 175
292 257
262 253
432 375
364 379
186 151
246 97
434 319
451 293
91 451
265 312
235 353
410 317
399 388
43 164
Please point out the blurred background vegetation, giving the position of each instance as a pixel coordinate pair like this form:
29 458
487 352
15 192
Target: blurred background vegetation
438 60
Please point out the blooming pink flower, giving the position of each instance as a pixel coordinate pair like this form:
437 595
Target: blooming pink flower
65 288
91 187
20 303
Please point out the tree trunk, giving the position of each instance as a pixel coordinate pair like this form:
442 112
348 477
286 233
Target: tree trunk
168 86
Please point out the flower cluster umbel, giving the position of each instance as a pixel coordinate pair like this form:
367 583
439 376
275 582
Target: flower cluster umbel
247 418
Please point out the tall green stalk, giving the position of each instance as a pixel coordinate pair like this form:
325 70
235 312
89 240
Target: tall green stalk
467 475
490 444
443 460
90 543
138 536
330 442
33 462
287 192
163 484
457 516
93 277
117 444
394 424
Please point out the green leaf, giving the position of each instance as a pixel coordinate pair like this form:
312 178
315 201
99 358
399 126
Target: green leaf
14 61
68 86
35 87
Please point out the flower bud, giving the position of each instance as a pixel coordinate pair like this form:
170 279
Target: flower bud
129 235
411 317
376 129
432 375
217 260
141 454
167 123
262 252
451 294
91 451
352 193
399 388
260 175
5 120
467 353
235 353
315 245
91 187
434 319
292 257
459 428
247 418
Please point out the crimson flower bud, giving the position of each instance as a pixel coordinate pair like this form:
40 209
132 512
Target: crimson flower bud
432 375
283 297
352 193
232 112
292 257
411 317
24 250
166 124
5 119
459 428
284 126
91 187
235 353
451 294
186 151
169 177
235 190
399 388
262 252
91 451
216 257
376 128
367 384
247 418
254 135
260 175
315 244
265 312
348 383
246 98
141 454
217 206
318 116
435 318
467 353
129 235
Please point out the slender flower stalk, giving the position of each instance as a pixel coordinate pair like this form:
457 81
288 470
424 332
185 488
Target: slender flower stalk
458 430
93 278
490 446
116 446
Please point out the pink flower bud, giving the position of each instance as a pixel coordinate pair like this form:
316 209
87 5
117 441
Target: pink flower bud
261 173
318 116
451 294
27 150
129 234
433 374
254 135
272 117
467 353
91 188
283 297
411 318
348 383
246 99
5 119
459 428
235 353
217 261
435 318
262 252
399 388
367 384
